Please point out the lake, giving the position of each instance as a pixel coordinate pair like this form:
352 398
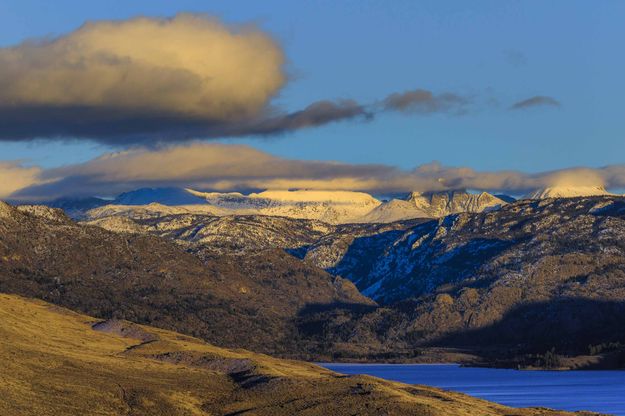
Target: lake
599 391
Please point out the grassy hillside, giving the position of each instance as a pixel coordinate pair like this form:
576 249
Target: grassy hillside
57 362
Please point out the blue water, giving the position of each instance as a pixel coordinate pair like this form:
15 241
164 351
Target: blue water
599 391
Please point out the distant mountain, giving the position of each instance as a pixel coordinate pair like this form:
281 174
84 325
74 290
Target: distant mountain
568 192
76 207
164 196
433 205
153 210
333 207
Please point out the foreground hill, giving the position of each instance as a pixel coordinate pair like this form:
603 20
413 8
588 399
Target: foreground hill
334 207
57 362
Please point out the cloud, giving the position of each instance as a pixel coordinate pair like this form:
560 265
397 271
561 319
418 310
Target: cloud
14 177
536 101
517 182
221 167
515 57
116 78
149 81
315 114
421 101
204 166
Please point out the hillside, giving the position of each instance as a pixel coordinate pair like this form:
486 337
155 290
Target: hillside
231 300
490 287
533 276
222 234
57 362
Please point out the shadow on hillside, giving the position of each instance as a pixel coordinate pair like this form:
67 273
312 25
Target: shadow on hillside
298 252
313 319
569 325
364 251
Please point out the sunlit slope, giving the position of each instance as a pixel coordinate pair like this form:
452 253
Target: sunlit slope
52 362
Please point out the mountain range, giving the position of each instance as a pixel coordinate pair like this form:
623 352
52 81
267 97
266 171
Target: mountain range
333 207
504 286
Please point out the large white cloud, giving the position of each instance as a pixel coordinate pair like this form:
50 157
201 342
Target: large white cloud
190 65
190 68
235 167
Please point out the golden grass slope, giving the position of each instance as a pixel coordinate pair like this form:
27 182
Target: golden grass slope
52 362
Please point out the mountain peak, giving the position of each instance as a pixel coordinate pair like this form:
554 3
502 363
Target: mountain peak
439 204
568 192
166 196
433 204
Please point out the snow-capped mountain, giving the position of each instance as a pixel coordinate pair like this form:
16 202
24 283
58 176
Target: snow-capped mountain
165 196
149 211
568 192
333 207
433 205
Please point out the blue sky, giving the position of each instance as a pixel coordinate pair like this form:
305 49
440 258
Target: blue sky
498 52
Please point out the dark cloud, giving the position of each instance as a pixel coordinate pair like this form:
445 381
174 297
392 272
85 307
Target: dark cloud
536 101
316 114
421 101
121 127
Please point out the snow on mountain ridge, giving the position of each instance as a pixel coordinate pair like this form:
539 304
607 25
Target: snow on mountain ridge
568 192
334 207
433 205
330 206
317 196
166 196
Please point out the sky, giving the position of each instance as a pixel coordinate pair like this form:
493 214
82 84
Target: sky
524 86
